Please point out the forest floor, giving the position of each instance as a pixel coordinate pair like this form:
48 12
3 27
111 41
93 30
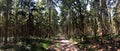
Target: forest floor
60 43
103 43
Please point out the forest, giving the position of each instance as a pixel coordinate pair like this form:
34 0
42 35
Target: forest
59 25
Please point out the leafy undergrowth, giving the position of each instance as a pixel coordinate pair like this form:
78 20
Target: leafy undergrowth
28 44
103 43
88 43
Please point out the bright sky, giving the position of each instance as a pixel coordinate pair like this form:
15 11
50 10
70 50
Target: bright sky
58 10
88 7
35 0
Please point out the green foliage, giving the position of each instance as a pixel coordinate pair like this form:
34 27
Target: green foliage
73 40
45 45
6 47
29 44
57 44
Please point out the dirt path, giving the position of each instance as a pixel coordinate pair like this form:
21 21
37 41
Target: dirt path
62 44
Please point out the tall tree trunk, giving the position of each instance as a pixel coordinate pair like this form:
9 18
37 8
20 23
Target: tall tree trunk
101 17
95 27
49 4
6 21
110 20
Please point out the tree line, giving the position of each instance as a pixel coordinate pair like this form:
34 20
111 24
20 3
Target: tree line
27 18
